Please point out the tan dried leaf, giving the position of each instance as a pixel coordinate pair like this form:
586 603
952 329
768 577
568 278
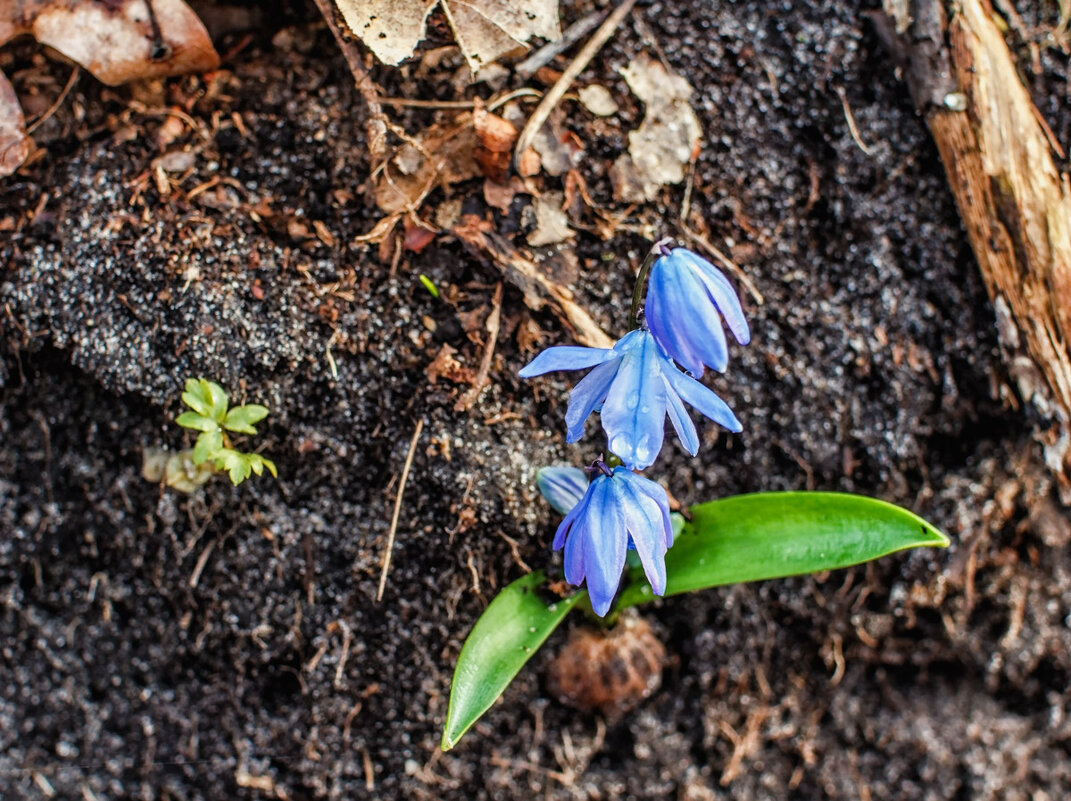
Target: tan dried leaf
14 144
665 140
116 40
486 30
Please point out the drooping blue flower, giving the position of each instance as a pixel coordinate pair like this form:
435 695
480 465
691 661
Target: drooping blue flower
687 299
563 487
618 509
634 385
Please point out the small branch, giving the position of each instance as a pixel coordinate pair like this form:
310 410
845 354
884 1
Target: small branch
397 509
561 86
377 120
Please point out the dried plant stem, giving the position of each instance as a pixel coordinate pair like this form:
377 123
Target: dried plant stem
561 86
376 125
397 509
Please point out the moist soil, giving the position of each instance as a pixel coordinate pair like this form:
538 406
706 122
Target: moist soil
229 643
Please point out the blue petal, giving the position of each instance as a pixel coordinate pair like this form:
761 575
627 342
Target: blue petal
635 409
702 399
657 493
587 395
682 423
563 487
604 544
565 357
574 554
665 315
723 294
563 527
645 525
684 317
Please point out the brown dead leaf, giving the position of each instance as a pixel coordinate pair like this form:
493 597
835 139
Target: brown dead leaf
14 144
486 30
665 140
116 40
444 365
440 156
494 142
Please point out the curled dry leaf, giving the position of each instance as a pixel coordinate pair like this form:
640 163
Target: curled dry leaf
666 139
494 142
116 40
14 144
440 156
486 30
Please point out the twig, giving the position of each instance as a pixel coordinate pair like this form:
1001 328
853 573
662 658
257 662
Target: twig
494 319
33 126
561 86
852 129
398 509
491 105
575 32
377 120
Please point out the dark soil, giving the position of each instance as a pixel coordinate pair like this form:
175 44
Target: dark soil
229 645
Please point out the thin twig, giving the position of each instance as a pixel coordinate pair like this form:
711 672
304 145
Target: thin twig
852 129
461 105
573 34
561 86
33 126
377 120
464 403
398 509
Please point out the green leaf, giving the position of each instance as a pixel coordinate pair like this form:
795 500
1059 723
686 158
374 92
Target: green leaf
235 464
207 447
206 397
197 396
506 636
219 400
196 421
776 534
258 463
429 285
240 419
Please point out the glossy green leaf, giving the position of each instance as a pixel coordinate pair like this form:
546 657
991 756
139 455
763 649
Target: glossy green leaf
196 421
506 636
240 419
775 534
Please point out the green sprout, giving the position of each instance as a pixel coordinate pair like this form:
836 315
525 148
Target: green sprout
210 415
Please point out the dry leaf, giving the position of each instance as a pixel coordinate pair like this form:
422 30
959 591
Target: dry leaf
494 142
485 30
14 144
598 100
665 140
552 225
440 156
116 40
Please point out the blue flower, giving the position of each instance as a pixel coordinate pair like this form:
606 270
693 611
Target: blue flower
687 299
563 487
634 385
619 509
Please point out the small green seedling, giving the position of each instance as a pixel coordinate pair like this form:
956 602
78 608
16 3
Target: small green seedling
209 415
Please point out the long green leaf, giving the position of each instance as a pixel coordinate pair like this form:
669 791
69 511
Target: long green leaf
775 534
506 636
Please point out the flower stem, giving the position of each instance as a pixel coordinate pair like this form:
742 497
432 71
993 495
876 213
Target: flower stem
658 249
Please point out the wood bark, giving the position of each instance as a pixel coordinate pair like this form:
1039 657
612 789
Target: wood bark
1015 202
